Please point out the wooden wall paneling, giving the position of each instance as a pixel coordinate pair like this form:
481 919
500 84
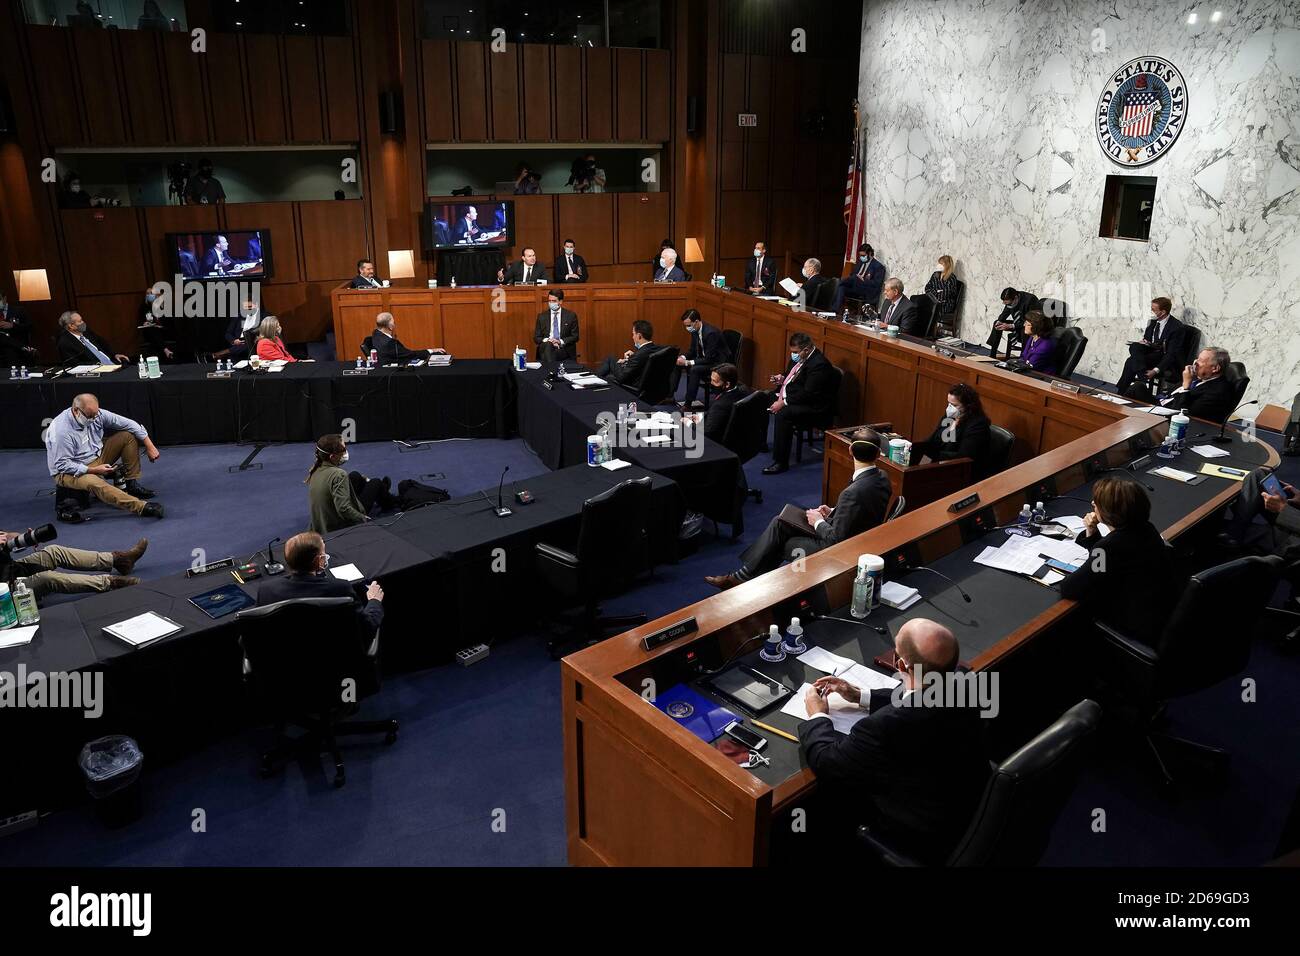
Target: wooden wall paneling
1053 434
504 95
230 124
471 92
303 71
537 97
589 221
114 318
341 118
659 94
100 93
142 84
304 310
889 389
662 306
600 94
356 312
104 250
466 325
787 109
845 351
333 238
568 93
159 221
759 102
740 316
419 325
794 228
743 221
262 53
513 328
278 219
535 226
438 101
642 224
629 103
183 87
59 110
731 165
1017 410
614 311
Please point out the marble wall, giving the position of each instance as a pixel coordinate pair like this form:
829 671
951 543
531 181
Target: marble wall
980 144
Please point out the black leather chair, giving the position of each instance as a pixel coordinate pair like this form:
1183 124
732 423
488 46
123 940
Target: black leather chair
189 265
1205 641
1001 444
825 296
733 338
1024 796
1055 310
1070 343
656 383
366 346
807 430
745 437
301 657
924 315
612 550
1236 374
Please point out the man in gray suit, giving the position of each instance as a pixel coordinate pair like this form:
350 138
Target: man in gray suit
898 309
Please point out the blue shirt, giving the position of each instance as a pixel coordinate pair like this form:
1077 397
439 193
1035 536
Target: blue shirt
71 447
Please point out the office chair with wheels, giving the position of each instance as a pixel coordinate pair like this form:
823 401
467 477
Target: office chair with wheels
1022 799
1070 343
826 295
301 658
807 430
656 383
613 548
1205 641
1001 444
746 436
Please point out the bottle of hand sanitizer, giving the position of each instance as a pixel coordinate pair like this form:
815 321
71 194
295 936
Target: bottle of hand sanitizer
864 586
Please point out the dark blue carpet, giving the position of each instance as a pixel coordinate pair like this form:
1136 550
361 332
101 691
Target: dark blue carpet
484 743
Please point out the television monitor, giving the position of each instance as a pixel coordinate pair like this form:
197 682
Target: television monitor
231 254
469 225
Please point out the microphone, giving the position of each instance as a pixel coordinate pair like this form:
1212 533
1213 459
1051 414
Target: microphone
917 567
1130 473
502 510
818 616
272 566
1221 438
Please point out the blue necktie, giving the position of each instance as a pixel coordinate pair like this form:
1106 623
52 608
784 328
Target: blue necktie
555 324
99 356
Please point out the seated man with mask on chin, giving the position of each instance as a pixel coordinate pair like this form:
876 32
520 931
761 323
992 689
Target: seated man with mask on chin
391 351
240 331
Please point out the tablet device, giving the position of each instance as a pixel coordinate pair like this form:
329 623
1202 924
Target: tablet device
749 689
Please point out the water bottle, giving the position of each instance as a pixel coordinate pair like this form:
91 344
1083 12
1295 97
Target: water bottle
358 363
25 603
8 613
794 638
23 373
155 370
864 588
593 451
1038 516
453 282
13 371
1178 427
143 369
772 650
1026 516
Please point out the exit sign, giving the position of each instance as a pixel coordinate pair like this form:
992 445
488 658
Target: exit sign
748 119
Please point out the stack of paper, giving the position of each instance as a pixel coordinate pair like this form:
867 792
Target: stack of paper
1210 451
898 596
586 380
18 636
843 714
1175 474
143 629
347 572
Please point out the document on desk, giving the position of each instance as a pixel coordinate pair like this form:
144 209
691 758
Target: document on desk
898 596
790 286
820 659
586 381
867 680
1065 551
143 629
1017 555
843 714
1158 410
1210 451
347 572
18 636
1222 471
1173 474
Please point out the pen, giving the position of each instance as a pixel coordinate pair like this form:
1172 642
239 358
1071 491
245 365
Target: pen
236 576
773 730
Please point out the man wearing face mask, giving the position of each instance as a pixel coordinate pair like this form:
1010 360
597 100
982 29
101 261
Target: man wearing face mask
84 446
569 266
760 272
707 349
15 330
309 577
556 331
806 392
338 498
668 270
156 334
865 282
80 346
814 285
724 382
1162 353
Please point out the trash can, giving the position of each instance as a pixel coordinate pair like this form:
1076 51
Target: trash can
111 766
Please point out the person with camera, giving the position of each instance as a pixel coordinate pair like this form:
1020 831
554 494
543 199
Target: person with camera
42 567
84 446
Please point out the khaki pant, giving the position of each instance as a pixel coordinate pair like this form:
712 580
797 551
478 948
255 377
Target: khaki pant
39 568
119 445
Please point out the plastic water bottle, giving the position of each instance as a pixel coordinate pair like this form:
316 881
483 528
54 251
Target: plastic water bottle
13 371
864 590
358 363
23 373
794 638
143 368
1026 516
772 649
25 603
1039 515
453 282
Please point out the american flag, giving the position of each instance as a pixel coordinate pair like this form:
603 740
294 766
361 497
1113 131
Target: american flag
855 213
1138 104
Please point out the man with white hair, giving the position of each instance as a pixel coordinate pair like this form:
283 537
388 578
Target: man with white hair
1206 393
391 351
667 269
80 346
84 446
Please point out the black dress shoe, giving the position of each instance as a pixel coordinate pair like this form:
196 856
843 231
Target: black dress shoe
1227 542
137 490
775 469
152 510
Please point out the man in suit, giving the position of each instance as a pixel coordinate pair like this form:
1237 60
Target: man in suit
861 506
914 768
15 332
308 577
241 330
1015 306
724 380
527 271
365 277
1205 393
1160 354
1281 537
556 331
667 269
760 271
708 348
441 232
80 346
899 310
389 347
864 282
570 267
630 369
806 392
217 260
813 285
467 228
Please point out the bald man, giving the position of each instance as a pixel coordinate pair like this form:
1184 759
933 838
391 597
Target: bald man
914 774
308 566
391 351
87 447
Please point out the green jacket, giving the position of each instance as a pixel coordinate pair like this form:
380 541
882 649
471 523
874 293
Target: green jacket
334 504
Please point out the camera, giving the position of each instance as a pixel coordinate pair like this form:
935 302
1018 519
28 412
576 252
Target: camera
30 539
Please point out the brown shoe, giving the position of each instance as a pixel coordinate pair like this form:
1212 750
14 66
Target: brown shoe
124 561
722 581
115 583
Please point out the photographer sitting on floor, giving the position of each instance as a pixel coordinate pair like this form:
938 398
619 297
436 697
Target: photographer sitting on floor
41 567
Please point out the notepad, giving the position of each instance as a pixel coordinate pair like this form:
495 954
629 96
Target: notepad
347 572
843 715
1220 471
1210 451
1174 474
18 636
143 629
614 464
898 596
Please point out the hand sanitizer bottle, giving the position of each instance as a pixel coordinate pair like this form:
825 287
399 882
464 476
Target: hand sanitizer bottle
864 587
25 603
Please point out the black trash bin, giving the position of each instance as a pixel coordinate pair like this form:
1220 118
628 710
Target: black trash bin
111 766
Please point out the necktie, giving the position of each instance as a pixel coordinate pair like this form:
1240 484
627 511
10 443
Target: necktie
570 259
555 324
527 270
99 356
862 273
890 314
794 373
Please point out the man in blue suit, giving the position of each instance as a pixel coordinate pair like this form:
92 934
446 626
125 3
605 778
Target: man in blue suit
667 269
865 282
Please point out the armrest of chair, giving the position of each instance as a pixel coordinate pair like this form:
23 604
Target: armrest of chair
882 852
558 555
1142 653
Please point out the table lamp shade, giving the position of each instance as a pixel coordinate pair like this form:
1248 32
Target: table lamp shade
32 284
401 264
693 251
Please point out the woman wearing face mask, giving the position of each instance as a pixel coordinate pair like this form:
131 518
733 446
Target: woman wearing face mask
155 332
942 291
962 433
340 499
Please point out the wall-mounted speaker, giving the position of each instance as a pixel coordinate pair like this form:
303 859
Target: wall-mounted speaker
389 113
692 115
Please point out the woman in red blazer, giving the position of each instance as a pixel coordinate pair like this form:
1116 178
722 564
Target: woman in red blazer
270 347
